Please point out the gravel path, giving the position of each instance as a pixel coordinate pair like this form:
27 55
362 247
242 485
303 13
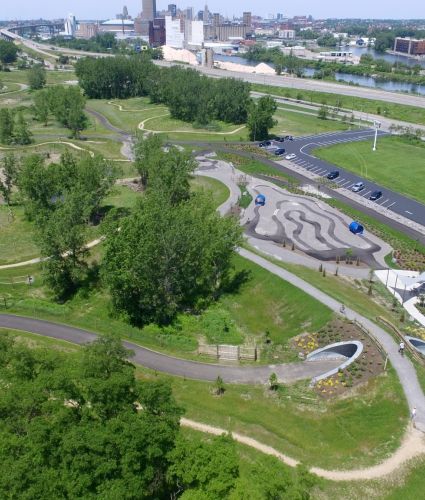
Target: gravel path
413 446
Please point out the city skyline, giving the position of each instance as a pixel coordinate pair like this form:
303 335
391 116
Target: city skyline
106 9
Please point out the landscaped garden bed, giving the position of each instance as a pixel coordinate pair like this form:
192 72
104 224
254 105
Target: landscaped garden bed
368 365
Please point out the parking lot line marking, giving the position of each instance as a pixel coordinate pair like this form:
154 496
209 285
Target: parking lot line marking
383 203
389 206
340 180
407 212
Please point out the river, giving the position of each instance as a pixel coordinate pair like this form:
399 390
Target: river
363 81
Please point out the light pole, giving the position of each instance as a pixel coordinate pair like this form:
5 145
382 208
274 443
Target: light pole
377 126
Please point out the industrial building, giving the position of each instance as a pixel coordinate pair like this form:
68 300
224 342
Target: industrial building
410 46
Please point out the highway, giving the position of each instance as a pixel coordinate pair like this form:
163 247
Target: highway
310 84
273 80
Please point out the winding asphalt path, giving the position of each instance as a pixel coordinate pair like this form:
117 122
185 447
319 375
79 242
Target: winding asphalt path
289 372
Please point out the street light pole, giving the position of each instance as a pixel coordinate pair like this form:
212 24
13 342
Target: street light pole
377 126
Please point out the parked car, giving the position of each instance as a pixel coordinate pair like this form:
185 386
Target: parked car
280 139
358 186
265 144
333 175
289 137
279 152
375 195
291 156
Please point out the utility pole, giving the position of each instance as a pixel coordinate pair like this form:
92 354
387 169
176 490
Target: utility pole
377 126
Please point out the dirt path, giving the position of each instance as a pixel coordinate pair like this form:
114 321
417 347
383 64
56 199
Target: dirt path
70 144
413 445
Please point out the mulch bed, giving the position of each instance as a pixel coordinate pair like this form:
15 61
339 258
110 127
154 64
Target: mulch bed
368 365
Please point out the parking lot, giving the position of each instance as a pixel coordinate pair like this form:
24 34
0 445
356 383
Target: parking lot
303 148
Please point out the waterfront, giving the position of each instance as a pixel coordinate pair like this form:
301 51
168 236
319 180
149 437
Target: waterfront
364 81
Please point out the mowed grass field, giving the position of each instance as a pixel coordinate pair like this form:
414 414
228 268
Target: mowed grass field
397 164
129 114
293 123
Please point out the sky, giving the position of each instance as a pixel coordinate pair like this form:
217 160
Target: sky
106 9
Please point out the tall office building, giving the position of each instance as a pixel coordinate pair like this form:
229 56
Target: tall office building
172 9
188 14
149 10
70 25
247 19
216 19
206 16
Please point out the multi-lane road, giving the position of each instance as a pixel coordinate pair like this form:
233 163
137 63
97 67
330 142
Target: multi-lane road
303 148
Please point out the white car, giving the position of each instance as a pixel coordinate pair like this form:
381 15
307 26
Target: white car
291 156
358 186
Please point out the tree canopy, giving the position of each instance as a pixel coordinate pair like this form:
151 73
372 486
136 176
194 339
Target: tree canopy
190 96
260 118
37 77
8 52
61 199
174 251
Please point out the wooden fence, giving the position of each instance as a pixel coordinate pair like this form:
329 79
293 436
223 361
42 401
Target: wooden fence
230 352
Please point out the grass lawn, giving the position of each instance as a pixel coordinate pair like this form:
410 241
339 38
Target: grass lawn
345 433
347 290
219 191
8 87
300 124
253 166
402 112
16 237
262 303
128 114
53 77
396 164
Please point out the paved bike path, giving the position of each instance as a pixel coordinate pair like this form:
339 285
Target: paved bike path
289 372
402 365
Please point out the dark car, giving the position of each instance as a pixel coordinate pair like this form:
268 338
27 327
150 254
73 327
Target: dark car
289 137
333 175
265 144
375 195
280 139
279 152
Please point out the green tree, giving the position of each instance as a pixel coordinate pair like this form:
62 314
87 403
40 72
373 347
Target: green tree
41 107
273 382
8 52
9 169
204 470
165 171
167 258
327 40
271 480
36 77
21 132
67 105
71 427
6 126
61 199
260 118
323 113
